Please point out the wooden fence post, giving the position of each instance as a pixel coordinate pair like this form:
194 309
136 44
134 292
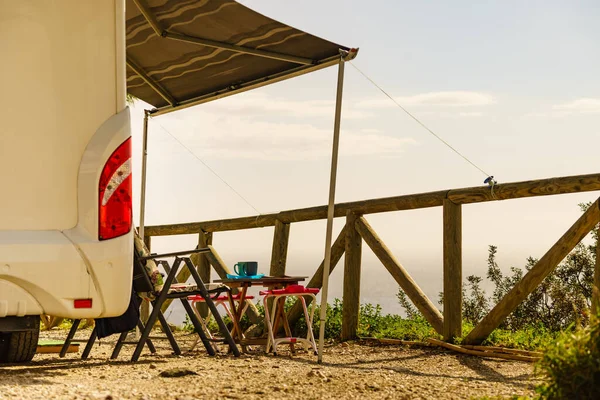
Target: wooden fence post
281 237
536 274
351 297
203 266
452 270
148 241
204 240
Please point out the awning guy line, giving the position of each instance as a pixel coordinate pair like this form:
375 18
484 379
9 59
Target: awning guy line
490 178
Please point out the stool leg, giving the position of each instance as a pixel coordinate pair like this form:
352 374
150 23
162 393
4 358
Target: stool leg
228 311
237 329
206 321
308 319
286 324
275 317
198 326
270 338
236 317
202 320
245 309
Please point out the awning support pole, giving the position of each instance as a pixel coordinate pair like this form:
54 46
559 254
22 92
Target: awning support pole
331 205
143 190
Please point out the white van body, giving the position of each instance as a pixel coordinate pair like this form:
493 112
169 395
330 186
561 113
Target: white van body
64 113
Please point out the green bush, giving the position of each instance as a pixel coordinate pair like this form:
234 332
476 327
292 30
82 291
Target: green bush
572 365
372 323
531 337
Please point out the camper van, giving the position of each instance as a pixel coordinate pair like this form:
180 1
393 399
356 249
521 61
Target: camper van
66 243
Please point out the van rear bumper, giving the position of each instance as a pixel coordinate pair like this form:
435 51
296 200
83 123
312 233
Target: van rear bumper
44 272
19 324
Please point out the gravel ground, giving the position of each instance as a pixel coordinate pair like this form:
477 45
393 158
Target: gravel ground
349 371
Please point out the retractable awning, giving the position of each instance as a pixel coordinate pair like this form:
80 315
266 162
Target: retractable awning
182 53
186 52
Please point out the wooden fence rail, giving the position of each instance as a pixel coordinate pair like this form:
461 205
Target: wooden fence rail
358 229
542 187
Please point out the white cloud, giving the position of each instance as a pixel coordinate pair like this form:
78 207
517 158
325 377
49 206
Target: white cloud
355 144
538 114
471 114
579 106
263 104
370 130
234 137
433 99
582 106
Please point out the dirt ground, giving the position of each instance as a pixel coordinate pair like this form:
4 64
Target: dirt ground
349 371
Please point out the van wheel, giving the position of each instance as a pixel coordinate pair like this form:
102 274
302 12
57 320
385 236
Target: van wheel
16 347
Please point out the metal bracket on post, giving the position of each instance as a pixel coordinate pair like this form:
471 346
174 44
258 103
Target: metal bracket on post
349 55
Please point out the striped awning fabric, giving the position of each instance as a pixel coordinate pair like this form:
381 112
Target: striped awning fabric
180 51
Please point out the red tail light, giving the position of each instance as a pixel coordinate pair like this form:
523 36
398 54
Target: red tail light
114 200
82 303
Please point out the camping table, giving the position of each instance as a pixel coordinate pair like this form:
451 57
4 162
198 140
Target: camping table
269 282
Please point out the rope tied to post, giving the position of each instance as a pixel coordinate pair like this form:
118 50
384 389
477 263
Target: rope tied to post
491 183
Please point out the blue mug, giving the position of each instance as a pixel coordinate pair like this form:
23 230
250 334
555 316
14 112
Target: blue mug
246 268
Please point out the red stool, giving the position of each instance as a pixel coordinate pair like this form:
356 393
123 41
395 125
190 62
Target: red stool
300 292
222 300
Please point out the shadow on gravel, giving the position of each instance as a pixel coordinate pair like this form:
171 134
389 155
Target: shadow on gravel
34 372
485 372
477 365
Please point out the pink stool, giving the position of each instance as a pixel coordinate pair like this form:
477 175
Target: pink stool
222 300
300 292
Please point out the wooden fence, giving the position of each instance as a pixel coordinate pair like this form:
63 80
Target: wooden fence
357 230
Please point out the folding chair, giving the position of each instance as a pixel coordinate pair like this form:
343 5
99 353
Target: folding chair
173 290
169 290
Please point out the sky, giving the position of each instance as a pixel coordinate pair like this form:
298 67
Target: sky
512 85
